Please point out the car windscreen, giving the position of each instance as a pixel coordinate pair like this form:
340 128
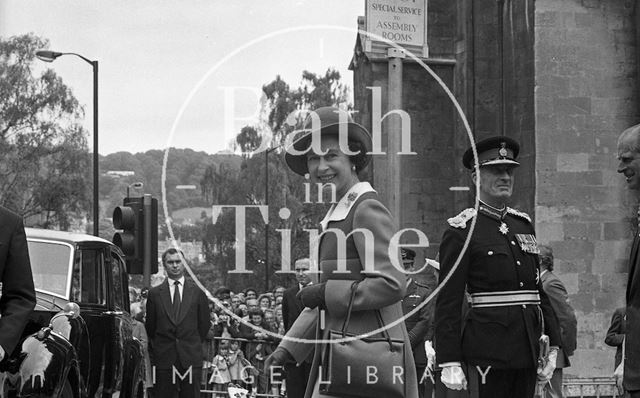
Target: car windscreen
51 265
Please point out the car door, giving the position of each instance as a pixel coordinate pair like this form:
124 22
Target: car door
119 324
89 290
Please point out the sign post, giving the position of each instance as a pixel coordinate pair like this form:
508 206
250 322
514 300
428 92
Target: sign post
403 22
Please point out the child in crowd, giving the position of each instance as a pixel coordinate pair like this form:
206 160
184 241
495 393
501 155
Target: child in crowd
221 375
236 363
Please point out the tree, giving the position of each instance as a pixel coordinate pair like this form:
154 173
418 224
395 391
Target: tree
45 163
249 186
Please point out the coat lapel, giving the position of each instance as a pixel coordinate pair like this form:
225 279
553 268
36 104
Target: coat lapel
633 265
165 295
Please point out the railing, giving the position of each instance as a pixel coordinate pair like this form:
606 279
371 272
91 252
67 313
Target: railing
587 387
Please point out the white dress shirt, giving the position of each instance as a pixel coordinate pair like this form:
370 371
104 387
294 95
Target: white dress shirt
172 287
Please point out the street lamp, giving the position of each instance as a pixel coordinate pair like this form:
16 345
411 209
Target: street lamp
50 56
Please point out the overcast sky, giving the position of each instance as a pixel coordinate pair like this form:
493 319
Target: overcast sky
157 57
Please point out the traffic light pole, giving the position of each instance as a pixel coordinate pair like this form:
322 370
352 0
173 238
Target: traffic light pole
148 236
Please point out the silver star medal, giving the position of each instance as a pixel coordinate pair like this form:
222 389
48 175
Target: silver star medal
503 228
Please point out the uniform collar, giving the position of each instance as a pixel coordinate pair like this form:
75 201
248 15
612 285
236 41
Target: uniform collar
340 210
492 211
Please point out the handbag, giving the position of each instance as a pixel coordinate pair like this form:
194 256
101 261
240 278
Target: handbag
363 367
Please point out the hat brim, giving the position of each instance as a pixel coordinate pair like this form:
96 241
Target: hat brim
355 132
501 161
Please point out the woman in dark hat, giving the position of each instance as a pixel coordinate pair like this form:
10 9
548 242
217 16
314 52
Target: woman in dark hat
355 262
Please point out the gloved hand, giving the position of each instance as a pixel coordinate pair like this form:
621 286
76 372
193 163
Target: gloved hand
276 361
544 374
619 376
453 377
431 354
312 296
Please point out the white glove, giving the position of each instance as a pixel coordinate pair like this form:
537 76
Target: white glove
453 377
544 374
431 354
619 376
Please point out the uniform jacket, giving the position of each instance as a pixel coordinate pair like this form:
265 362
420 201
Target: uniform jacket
632 340
557 293
381 285
615 334
291 306
175 342
18 294
502 337
420 324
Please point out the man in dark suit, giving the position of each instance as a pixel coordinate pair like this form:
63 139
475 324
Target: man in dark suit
629 158
420 323
177 325
18 294
559 299
615 334
297 376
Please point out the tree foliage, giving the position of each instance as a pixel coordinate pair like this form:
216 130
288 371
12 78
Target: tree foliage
45 162
283 190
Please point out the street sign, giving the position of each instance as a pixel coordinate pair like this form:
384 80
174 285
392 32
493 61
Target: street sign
403 22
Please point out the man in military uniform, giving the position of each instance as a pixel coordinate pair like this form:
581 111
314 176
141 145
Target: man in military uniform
420 323
490 252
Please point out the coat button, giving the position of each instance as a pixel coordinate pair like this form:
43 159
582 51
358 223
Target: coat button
513 243
490 253
518 262
521 284
524 306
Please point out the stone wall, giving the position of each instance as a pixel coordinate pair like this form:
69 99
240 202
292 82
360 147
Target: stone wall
585 95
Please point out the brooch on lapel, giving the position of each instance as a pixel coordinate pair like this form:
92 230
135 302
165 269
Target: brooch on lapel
352 197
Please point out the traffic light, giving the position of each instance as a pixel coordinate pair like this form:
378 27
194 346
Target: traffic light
129 219
137 219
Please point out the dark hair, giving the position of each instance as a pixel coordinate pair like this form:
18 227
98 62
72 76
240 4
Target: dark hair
169 251
264 295
256 311
545 257
360 159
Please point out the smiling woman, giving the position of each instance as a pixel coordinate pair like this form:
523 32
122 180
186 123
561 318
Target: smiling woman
360 289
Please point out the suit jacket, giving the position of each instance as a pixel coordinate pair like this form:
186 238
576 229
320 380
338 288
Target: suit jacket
420 324
18 294
632 341
558 297
177 342
380 284
291 306
499 257
615 334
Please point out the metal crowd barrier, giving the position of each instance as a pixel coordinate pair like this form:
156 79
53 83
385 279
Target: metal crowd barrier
590 387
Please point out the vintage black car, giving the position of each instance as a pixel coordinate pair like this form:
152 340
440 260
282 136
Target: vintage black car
78 342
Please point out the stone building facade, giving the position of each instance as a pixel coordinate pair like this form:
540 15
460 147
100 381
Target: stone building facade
561 77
